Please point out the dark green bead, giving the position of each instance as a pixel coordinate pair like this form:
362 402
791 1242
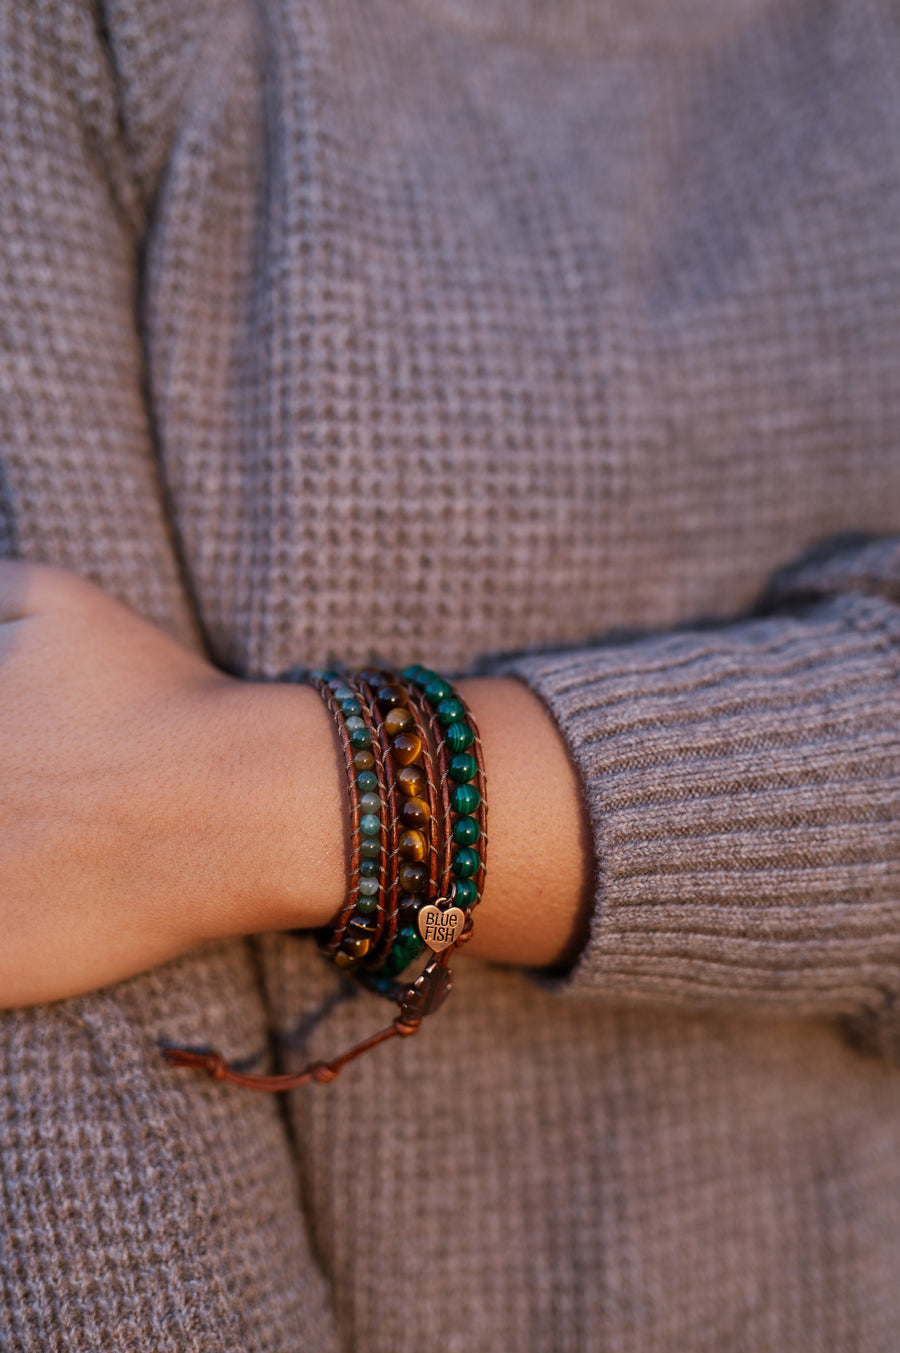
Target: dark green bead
367 782
412 671
464 892
466 831
465 863
459 736
438 690
464 798
462 767
424 676
369 869
360 738
351 707
450 711
370 848
367 906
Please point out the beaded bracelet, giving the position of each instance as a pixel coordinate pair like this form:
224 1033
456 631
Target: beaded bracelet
418 841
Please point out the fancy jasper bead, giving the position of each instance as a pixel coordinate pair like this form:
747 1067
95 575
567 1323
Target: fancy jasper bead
466 831
367 906
462 767
415 813
369 847
366 781
369 869
411 779
360 738
370 803
369 824
368 887
465 863
406 748
464 799
364 759
459 736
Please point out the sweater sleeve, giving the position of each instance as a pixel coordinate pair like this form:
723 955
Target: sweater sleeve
743 786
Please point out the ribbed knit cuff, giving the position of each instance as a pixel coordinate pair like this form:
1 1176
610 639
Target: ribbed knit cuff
743 786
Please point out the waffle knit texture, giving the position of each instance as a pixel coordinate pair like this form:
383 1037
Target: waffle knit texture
558 340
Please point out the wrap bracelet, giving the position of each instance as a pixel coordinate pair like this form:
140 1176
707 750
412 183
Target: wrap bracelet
418 842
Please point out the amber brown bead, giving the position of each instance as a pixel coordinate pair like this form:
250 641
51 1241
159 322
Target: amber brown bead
411 779
355 947
364 759
408 909
397 721
415 813
413 877
413 845
406 748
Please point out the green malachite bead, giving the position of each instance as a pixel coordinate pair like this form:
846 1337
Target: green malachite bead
466 831
368 887
438 690
465 863
370 848
369 824
370 803
424 676
464 799
464 892
350 708
450 711
459 736
360 738
462 767
369 869
366 781
367 906
412 671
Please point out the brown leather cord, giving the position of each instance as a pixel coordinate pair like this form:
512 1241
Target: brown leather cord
425 995
339 929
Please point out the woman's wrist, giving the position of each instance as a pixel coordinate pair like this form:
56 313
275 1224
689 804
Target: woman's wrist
283 822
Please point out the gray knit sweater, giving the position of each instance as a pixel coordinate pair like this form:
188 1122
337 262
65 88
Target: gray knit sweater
561 339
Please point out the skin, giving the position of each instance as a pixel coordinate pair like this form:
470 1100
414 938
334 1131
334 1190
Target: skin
151 803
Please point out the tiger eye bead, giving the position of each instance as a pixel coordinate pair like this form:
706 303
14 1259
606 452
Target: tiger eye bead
415 813
406 748
353 947
390 697
411 779
397 721
413 878
413 845
408 910
364 759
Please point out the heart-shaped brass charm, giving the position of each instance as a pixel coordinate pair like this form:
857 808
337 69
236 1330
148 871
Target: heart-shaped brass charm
439 929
